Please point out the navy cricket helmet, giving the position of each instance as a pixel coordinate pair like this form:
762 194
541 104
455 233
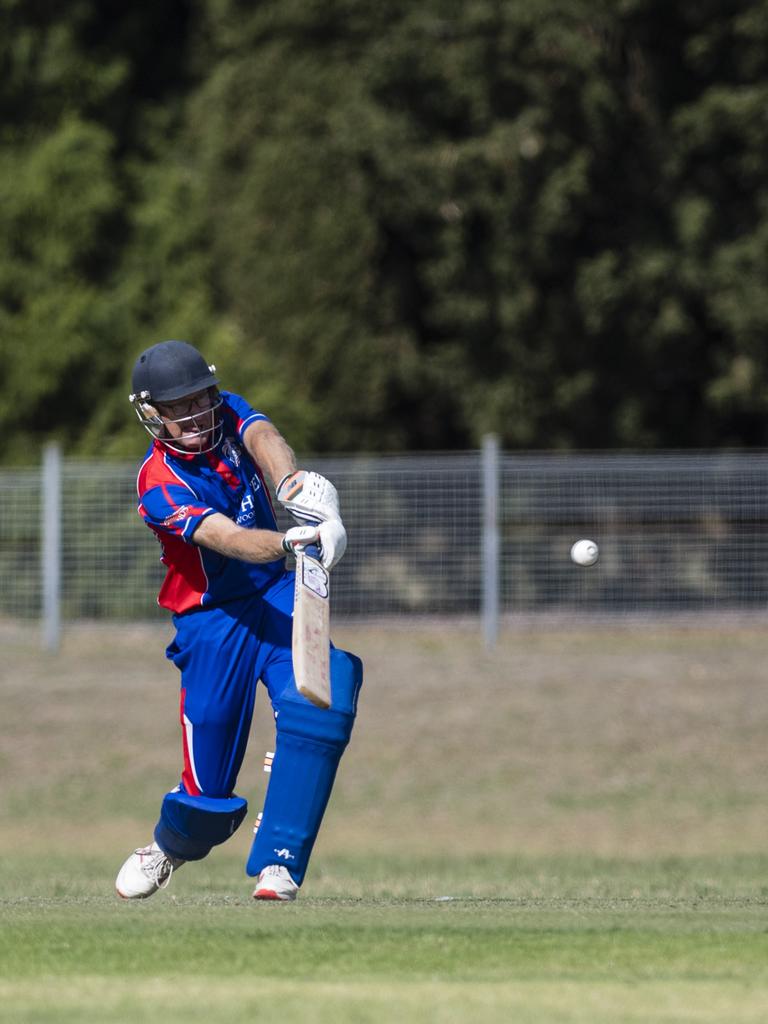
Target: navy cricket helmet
166 373
170 370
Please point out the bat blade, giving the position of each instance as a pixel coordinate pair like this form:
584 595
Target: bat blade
311 631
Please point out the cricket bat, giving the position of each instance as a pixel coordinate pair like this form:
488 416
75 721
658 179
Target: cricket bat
311 628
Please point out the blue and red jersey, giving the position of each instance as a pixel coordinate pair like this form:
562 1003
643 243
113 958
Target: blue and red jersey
176 492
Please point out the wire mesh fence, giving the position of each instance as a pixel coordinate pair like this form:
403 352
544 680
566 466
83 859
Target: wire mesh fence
677 531
21 528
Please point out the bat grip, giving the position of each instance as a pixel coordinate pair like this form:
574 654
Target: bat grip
313 550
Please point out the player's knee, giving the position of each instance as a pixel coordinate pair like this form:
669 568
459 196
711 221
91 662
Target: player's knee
332 726
208 714
190 826
303 721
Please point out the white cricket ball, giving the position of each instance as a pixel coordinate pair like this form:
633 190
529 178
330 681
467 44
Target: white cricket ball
584 552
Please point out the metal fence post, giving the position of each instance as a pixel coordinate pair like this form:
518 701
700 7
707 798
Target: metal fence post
490 540
50 532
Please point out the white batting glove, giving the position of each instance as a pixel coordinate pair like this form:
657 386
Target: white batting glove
331 538
309 497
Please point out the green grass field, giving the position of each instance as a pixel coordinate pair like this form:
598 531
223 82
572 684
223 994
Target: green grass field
572 829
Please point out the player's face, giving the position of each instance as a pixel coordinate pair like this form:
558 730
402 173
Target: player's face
190 420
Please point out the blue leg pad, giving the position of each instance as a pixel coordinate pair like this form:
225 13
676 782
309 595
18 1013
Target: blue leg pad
190 826
308 748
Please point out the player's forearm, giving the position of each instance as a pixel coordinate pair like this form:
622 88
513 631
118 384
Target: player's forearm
270 450
220 534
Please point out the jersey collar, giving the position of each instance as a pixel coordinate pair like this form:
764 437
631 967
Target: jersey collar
172 453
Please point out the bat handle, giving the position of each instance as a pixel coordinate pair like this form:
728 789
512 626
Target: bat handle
313 550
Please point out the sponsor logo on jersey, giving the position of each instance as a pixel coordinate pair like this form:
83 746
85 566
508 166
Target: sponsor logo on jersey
247 513
181 513
232 452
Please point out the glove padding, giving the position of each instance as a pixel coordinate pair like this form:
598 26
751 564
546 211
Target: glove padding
331 537
309 497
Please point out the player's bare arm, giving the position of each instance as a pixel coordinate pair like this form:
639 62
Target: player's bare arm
220 534
270 450
309 497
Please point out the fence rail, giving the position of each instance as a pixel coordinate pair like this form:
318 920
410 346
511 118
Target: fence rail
470 533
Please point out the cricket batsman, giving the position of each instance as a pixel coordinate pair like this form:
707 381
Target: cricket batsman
202 492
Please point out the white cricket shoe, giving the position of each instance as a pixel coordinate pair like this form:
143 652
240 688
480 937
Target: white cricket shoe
275 883
146 870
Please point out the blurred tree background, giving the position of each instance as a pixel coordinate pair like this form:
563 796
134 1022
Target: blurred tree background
390 225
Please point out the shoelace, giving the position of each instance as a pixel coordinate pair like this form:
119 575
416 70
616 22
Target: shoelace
156 866
276 870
